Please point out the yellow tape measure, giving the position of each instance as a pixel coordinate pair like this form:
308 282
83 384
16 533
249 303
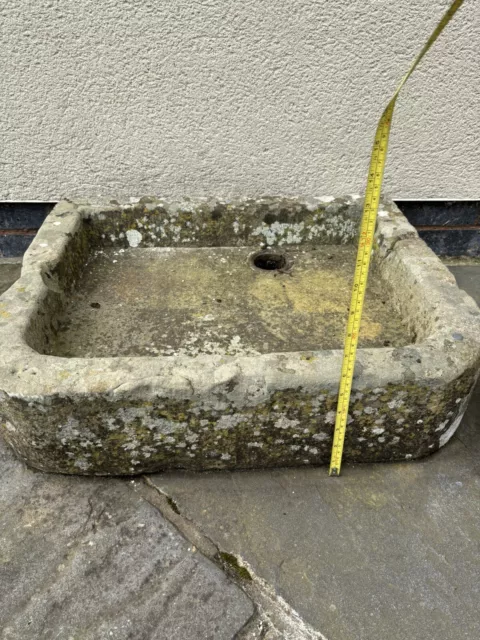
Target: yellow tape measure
367 231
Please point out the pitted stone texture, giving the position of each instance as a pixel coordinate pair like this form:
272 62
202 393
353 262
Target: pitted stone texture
123 415
234 98
92 560
159 301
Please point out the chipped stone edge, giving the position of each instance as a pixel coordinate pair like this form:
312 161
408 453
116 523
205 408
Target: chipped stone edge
450 348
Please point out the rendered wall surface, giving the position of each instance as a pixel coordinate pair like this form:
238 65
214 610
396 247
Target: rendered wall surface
193 97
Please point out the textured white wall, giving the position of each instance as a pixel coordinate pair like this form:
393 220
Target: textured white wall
227 97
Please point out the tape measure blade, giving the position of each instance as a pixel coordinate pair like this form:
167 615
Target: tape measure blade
362 264
367 230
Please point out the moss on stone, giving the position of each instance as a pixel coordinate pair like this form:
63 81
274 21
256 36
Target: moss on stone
173 505
231 563
272 221
291 428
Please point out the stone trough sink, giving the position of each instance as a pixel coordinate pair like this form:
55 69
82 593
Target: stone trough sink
207 334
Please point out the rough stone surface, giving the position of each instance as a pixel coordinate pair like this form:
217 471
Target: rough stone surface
384 551
126 415
212 300
230 98
90 559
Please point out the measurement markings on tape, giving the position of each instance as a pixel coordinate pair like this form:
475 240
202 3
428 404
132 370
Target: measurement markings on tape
367 231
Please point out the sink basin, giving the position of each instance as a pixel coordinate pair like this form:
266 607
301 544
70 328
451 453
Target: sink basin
214 300
207 334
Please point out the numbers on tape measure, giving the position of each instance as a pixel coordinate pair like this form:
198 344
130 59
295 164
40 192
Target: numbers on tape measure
367 231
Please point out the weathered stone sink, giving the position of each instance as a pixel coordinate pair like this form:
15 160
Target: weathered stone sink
205 334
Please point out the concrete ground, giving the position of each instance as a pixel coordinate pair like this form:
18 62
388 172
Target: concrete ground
384 551
9 272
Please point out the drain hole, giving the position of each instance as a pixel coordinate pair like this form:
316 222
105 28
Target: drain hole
269 261
95 305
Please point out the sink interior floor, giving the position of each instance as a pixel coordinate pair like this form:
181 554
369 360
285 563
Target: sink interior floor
167 301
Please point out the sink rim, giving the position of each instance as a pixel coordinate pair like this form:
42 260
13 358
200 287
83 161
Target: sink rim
103 374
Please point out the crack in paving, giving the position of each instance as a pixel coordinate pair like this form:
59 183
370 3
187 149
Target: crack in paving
274 619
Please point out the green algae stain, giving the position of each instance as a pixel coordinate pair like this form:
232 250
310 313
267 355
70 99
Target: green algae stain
231 563
173 505
291 428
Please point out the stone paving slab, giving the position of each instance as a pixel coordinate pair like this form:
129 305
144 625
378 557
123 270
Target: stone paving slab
468 277
9 272
89 559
